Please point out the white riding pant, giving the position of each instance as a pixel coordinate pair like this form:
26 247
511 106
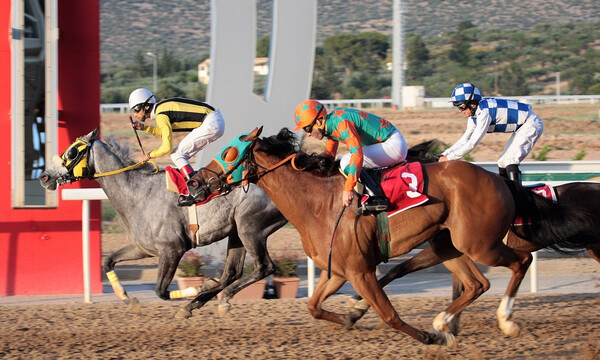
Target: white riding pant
521 142
387 153
211 129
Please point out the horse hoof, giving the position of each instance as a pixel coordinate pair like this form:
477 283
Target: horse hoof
135 306
445 338
223 309
351 302
510 328
183 314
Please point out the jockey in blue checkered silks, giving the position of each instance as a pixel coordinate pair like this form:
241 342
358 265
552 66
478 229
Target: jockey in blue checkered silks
486 115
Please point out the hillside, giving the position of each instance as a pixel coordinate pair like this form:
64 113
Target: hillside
129 26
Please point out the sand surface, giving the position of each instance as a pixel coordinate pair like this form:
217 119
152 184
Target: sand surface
561 326
552 327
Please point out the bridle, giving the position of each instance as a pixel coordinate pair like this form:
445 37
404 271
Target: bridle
76 160
221 182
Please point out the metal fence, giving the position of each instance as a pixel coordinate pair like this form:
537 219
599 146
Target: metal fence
123 108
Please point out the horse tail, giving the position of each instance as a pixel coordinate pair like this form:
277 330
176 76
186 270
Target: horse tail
564 228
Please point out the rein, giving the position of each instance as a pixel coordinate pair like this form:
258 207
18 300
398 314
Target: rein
90 173
108 173
258 175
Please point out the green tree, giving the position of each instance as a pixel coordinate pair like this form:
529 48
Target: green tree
168 63
461 44
417 57
512 81
342 48
262 46
167 90
326 81
140 67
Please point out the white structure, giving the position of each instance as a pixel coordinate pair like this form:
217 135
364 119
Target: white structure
397 56
413 97
233 52
261 67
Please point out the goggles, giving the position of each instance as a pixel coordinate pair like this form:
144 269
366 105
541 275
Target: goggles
309 128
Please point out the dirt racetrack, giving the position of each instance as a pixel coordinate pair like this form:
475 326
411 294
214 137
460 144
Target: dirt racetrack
552 327
556 326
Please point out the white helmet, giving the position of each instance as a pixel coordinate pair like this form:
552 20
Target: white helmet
141 96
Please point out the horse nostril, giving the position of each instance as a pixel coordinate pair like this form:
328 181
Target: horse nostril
44 177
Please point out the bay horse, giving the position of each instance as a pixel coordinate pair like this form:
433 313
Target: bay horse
585 195
156 226
474 205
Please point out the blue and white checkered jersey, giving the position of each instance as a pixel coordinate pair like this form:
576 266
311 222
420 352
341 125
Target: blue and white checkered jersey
501 114
492 115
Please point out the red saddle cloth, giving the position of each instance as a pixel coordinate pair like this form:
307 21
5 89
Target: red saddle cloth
403 186
541 189
177 179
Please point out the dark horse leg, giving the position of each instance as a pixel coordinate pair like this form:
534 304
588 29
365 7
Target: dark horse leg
129 252
233 269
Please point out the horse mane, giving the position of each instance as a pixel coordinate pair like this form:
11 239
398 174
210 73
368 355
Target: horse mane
285 143
123 152
425 152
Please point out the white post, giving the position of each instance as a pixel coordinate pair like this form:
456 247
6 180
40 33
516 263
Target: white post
397 55
85 195
85 239
154 70
533 274
310 273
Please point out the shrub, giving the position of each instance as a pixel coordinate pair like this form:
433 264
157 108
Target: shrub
192 264
286 265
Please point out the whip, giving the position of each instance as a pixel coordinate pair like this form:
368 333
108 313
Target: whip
137 136
331 242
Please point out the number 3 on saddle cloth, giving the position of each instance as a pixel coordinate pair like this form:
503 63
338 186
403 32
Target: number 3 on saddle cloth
403 186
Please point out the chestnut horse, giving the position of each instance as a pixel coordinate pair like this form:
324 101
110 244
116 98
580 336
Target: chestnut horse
476 206
585 195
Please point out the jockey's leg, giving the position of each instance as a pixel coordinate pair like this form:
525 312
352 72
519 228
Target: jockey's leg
502 172
376 201
388 153
187 171
513 173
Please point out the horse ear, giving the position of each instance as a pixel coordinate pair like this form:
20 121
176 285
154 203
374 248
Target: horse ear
93 134
253 134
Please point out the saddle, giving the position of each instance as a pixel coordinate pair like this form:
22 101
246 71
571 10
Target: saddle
400 188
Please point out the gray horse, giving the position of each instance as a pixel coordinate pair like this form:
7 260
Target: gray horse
156 226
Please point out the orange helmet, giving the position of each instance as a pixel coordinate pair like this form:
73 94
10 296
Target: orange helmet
307 112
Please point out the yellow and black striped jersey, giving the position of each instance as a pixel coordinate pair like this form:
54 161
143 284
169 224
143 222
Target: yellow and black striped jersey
175 114
182 114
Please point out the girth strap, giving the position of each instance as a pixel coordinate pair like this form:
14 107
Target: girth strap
383 233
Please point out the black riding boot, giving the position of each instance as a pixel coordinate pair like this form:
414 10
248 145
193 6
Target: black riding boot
187 200
502 172
513 173
376 201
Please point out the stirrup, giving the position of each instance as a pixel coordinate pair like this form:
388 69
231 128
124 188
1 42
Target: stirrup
185 200
373 204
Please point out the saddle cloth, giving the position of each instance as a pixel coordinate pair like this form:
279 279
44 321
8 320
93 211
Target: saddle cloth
175 181
403 186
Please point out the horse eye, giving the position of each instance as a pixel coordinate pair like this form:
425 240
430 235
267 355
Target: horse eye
72 153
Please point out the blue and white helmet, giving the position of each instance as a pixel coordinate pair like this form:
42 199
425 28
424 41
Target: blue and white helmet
466 92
